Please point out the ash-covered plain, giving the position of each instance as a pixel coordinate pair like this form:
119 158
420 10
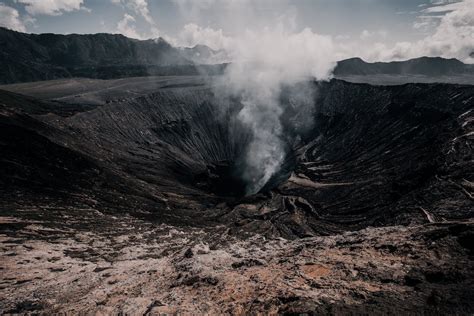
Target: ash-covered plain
129 196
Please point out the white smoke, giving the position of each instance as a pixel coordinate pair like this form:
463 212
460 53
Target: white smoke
264 62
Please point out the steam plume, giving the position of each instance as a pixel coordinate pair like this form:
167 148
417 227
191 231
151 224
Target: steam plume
263 62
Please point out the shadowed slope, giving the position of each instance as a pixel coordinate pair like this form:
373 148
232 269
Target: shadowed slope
374 156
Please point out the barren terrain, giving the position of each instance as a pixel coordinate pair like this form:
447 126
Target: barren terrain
129 203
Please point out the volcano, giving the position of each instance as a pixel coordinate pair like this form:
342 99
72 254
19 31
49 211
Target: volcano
127 195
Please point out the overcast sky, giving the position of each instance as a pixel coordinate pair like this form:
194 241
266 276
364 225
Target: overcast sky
373 29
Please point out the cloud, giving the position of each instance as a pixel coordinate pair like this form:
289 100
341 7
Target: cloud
10 18
365 34
448 27
193 8
235 16
126 26
139 8
193 34
52 7
443 2
426 23
453 35
449 33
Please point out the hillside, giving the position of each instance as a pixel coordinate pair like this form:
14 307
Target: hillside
424 66
33 57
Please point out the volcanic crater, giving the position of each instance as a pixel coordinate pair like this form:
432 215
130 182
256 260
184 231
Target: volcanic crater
170 163
184 150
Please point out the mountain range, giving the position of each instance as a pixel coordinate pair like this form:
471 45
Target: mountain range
426 66
33 57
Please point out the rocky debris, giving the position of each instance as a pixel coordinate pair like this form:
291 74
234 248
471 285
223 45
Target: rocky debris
425 268
247 263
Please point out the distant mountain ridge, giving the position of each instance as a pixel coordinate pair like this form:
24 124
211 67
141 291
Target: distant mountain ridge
202 54
427 66
35 57
32 57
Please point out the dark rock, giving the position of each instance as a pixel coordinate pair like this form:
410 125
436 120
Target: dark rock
26 306
466 240
389 248
192 280
414 277
435 298
188 253
247 263
100 269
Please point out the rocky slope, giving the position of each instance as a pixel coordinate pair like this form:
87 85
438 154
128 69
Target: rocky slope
347 170
138 203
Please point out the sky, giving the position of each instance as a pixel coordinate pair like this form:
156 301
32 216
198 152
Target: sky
371 29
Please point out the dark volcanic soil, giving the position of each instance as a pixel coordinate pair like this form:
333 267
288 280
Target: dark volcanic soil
135 204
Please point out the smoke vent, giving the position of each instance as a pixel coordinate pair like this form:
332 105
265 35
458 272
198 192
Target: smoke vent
221 178
224 178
